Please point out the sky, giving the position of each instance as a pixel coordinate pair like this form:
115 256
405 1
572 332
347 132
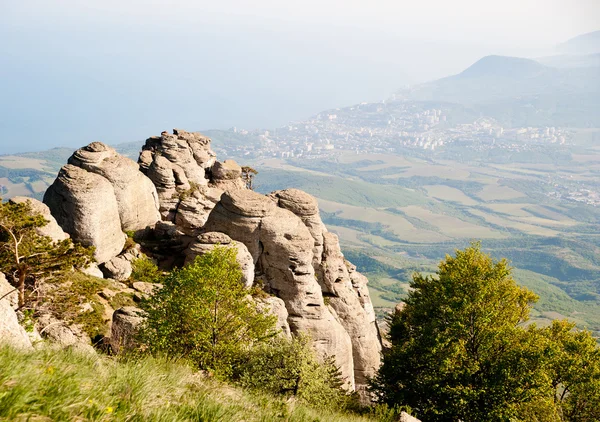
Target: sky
74 71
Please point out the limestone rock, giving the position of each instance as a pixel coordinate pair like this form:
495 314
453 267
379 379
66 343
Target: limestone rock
51 229
85 206
188 180
136 195
11 332
93 270
276 306
342 284
405 417
8 293
126 322
306 207
118 268
208 241
282 247
63 336
360 324
239 214
227 170
145 287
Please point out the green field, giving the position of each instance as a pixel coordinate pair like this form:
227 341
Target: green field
409 211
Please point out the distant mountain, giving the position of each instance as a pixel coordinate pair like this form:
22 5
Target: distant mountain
583 44
571 60
519 92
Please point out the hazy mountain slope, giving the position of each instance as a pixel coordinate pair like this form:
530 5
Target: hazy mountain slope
582 44
519 91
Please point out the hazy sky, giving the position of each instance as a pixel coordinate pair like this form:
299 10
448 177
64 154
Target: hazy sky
75 71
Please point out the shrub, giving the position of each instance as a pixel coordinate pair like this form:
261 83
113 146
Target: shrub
290 367
143 269
204 313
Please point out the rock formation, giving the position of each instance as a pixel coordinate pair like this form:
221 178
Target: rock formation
100 194
85 206
187 177
51 229
11 332
208 241
281 241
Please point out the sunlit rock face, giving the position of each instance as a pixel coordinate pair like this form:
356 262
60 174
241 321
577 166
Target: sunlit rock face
193 203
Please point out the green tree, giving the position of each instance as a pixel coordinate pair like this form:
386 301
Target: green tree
290 367
573 368
203 313
27 257
458 350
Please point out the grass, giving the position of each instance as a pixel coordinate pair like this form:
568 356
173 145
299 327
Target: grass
48 385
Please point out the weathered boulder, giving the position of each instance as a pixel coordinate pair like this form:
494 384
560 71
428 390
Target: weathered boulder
126 322
118 268
62 335
239 214
226 170
176 163
206 242
306 207
11 332
8 292
405 417
85 206
93 270
51 229
136 195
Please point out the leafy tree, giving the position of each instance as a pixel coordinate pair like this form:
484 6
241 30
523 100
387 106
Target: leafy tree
203 313
290 367
573 367
458 350
27 257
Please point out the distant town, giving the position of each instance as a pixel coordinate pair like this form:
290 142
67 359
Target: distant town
402 127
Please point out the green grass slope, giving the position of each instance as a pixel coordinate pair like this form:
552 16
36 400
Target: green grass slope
52 385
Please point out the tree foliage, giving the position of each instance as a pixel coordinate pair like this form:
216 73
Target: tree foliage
290 367
27 257
203 313
460 351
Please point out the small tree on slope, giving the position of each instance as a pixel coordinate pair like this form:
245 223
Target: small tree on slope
25 256
203 313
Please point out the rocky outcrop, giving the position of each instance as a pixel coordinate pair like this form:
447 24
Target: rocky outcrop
302 264
63 336
11 332
206 242
85 206
282 248
51 229
276 306
136 196
126 322
188 179
281 241
100 194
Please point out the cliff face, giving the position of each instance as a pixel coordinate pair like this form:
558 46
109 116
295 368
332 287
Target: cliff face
193 202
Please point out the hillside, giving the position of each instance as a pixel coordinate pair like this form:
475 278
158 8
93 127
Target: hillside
519 92
582 44
62 385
